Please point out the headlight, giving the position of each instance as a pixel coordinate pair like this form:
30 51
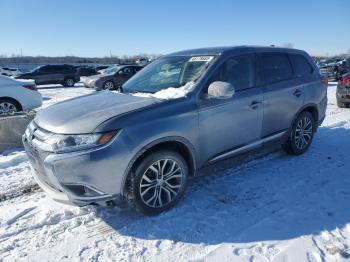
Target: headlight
67 143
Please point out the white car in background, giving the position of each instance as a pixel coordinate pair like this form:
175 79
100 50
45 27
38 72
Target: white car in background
16 96
142 61
7 71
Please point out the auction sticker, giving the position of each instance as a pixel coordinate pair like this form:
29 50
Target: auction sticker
201 59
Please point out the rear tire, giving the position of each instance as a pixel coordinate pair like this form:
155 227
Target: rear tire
158 182
9 106
69 82
301 135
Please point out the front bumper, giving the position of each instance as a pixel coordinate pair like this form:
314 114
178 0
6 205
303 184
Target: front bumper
82 177
90 83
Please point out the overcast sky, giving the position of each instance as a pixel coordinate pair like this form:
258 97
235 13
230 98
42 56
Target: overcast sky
98 28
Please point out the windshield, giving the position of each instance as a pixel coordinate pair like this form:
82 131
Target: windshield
36 68
168 72
111 70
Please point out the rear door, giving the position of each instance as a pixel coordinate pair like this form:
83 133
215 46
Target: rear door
60 72
40 76
283 94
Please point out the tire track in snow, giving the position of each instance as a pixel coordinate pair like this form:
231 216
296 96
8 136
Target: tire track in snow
25 190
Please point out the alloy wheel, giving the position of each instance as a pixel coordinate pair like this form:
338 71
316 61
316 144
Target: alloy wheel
303 133
70 82
161 183
109 85
7 108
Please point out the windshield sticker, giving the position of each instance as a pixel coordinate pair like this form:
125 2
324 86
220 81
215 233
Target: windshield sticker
201 59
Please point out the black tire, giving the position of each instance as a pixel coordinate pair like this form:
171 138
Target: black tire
108 85
341 104
138 198
9 103
69 82
294 145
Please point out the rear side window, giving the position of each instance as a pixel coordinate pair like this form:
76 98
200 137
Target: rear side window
136 69
300 65
45 69
239 71
276 67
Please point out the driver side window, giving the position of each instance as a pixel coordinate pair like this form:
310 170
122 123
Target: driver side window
238 71
127 71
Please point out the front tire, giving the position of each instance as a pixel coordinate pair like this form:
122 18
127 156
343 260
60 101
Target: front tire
301 135
8 107
108 85
159 182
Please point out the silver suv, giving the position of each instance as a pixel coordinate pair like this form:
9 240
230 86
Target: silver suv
180 113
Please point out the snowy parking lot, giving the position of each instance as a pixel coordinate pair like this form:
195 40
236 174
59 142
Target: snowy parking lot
272 208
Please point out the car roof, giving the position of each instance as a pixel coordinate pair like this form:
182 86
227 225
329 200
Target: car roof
220 50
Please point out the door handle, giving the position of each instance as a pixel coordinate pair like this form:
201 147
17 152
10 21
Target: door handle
297 93
255 104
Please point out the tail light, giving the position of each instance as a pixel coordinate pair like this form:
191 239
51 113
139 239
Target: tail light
325 81
31 87
345 80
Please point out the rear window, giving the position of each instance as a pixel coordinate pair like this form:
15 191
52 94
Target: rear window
300 65
276 67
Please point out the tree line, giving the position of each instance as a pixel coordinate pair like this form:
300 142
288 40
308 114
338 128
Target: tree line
15 59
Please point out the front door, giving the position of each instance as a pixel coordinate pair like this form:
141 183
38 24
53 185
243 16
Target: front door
226 125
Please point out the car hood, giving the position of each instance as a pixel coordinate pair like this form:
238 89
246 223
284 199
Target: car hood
83 114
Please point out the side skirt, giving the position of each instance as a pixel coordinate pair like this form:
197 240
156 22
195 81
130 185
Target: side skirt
247 147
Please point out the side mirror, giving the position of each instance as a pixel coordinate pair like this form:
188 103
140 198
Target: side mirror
220 90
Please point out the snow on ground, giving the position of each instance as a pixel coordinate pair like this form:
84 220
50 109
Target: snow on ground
56 93
273 208
14 167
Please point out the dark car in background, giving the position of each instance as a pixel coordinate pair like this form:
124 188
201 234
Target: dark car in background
65 75
87 71
112 78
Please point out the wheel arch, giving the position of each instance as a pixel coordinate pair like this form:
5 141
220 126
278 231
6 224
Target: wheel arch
177 144
14 100
312 108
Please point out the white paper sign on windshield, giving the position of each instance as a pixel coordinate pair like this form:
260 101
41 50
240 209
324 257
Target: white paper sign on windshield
201 59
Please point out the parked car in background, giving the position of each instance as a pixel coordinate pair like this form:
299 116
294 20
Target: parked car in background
7 71
102 71
16 96
112 78
99 147
343 91
101 67
65 75
142 62
87 71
